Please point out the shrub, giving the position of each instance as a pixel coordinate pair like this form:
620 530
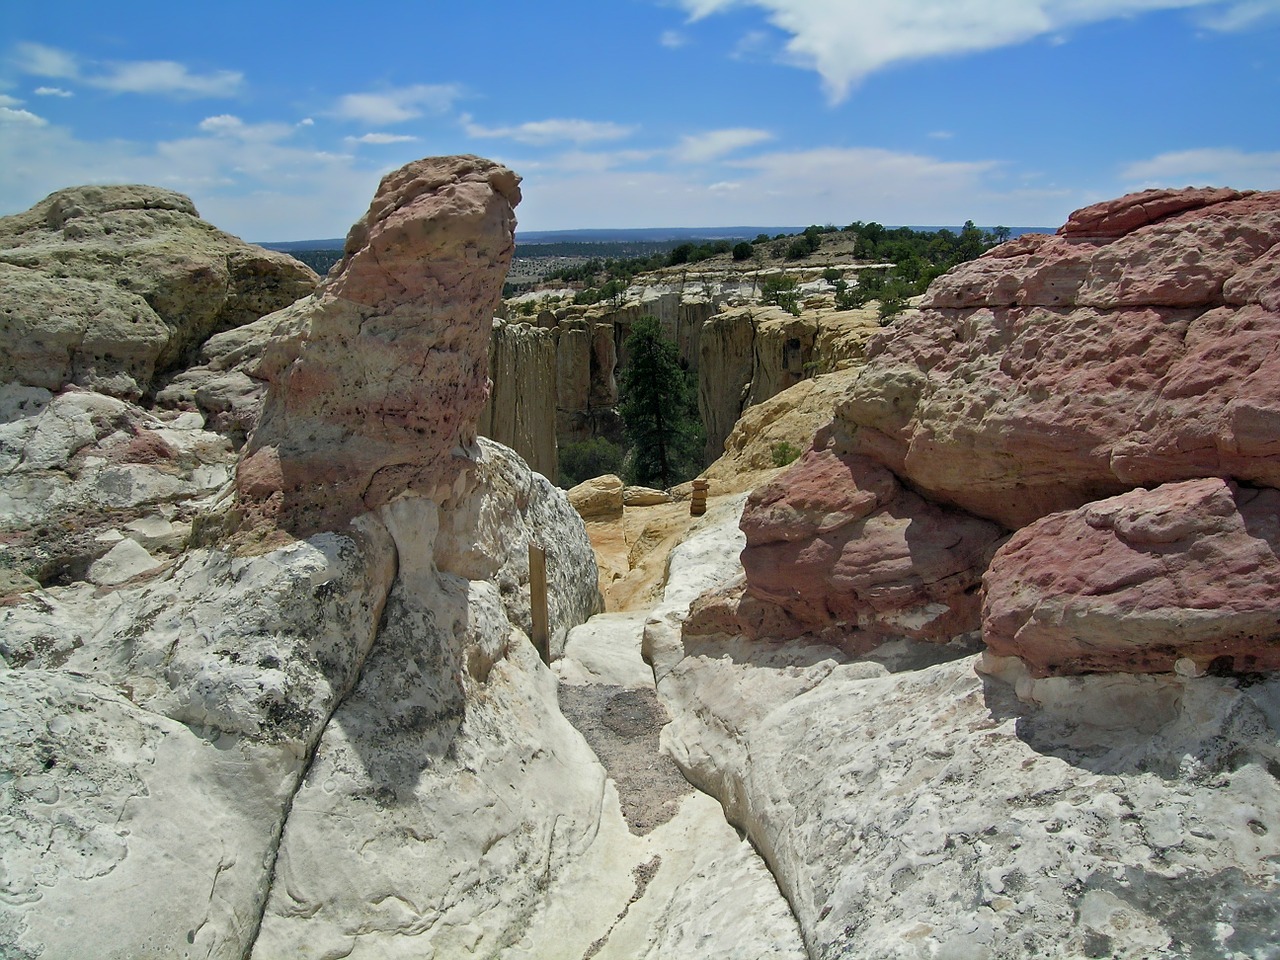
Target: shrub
784 453
781 291
743 251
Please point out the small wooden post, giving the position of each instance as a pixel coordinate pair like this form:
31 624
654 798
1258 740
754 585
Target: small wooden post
538 600
698 505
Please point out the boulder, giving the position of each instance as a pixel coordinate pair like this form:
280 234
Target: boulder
377 383
1184 577
111 287
644 497
1130 350
838 548
598 498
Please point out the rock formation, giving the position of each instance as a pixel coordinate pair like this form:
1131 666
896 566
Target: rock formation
1184 576
109 291
157 731
1133 348
1106 395
109 288
377 383
743 355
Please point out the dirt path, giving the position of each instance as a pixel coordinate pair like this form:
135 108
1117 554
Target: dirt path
621 725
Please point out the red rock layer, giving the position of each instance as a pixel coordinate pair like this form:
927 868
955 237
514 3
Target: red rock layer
1134 583
839 547
379 387
1059 369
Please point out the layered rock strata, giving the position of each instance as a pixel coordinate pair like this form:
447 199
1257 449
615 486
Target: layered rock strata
521 410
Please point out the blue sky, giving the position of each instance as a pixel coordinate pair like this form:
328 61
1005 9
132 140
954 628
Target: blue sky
278 119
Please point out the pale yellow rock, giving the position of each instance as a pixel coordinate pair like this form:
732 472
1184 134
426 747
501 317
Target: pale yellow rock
598 498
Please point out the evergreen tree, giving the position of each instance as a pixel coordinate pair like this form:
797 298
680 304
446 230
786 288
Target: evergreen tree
659 410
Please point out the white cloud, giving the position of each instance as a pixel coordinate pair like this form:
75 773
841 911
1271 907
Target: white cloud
1240 16
845 42
397 105
11 115
40 60
167 78
261 190
541 132
8 101
226 125
1214 166
306 122
714 144
163 77
941 135
673 39
381 138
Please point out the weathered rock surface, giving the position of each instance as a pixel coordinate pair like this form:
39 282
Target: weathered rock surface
377 383
80 470
1132 349
921 811
110 287
1135 584
153 737
751 354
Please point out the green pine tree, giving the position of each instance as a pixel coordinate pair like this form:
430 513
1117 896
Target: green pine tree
659 410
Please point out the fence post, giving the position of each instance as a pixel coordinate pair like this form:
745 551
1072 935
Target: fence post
538 600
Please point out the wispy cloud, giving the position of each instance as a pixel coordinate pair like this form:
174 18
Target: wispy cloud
53 92
39 60
381 138
26 117
227 125
836 185
1216 166
673 39
542 132
1240 16
941 135
714 144
397 105
845 42
167 78
159 77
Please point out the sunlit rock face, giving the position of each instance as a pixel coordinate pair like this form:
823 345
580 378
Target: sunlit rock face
112 287
376 385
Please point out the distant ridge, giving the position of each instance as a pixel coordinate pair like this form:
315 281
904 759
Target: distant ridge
632 235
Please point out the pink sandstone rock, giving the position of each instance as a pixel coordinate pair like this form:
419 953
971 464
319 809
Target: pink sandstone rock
838 545
1135 348
1135 583
379 385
